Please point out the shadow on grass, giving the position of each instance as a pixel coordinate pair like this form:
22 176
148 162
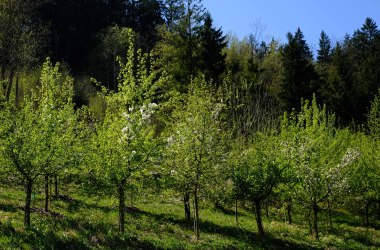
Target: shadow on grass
6 229
6 207
85 237
227 211
240 234
113 241
50 240
362 237
73 205
346 218
128 242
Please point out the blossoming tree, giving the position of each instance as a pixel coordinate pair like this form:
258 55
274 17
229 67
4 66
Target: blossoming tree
319 154
125 144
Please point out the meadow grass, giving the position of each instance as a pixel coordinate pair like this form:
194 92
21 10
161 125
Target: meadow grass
157 222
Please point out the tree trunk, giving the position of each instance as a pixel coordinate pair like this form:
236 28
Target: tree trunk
289 211
236 211
186 202
121 193
329 212
315 222
10 82
114 75
131 197
196 215
307 216
16 92
28 201
260 228
366 214
3 67
47 193
56 191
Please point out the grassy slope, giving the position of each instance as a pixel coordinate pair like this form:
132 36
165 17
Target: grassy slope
157 223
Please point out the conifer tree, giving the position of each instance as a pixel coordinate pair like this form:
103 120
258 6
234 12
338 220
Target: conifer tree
299 75
324 52
144 17
212 43
179 47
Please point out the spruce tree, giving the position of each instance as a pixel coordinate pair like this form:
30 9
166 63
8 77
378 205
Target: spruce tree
299 74
178 50
212 42
144 17
324 52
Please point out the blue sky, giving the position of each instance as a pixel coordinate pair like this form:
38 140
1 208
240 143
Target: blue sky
335 17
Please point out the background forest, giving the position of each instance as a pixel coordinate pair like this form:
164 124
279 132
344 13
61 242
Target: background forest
139 124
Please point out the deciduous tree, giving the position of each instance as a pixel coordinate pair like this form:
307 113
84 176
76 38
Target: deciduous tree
34 136
194 146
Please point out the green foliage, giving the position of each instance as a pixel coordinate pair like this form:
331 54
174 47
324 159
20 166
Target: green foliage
36 138
256 168
318 152
194 147
250 85
33 137
223 142
190 45
124 144
319 155
373 121
272 69
364 177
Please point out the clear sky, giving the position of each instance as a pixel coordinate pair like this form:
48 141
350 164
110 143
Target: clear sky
335 17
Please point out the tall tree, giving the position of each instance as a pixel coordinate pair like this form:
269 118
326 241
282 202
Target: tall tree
212 43
366 51
364 177
173 10
179 47
351 80
299 75
324 52
144 16
112 46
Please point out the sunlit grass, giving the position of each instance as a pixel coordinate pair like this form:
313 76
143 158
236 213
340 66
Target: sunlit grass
157 222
